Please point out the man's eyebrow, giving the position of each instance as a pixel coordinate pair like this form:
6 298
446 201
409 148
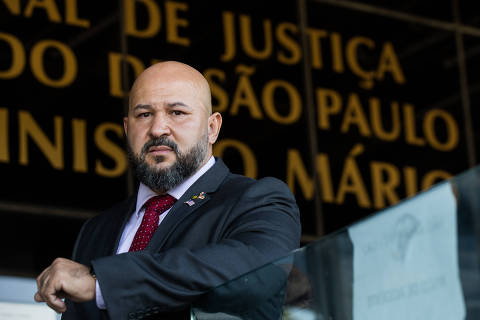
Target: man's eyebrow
142 106
177 104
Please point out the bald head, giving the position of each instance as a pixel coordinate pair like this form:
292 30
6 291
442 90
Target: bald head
173 71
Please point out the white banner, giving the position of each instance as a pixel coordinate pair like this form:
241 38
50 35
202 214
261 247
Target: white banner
405 261
24 311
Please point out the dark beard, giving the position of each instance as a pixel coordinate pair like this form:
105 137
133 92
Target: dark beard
162 180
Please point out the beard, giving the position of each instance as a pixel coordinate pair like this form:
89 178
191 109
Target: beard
162 180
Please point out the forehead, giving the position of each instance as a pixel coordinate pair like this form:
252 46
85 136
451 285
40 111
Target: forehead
159 90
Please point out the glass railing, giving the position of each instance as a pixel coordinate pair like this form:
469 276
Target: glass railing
16 301
415 260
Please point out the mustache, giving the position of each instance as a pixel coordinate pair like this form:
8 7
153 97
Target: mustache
156 142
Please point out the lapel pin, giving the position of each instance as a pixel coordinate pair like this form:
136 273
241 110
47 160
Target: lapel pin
200 196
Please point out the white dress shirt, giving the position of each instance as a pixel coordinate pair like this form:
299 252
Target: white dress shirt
145 193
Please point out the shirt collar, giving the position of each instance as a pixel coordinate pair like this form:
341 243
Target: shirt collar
145 193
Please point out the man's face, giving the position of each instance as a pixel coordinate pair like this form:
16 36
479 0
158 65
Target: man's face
163 179
167 129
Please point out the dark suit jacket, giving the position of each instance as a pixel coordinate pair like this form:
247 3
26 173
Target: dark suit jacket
241 224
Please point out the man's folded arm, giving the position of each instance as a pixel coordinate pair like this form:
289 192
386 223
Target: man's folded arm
268 229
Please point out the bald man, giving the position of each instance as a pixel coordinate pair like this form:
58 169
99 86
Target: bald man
192 224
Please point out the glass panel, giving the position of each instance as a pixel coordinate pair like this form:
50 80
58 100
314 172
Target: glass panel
16 301
415 260
387 101
61 133
64 135
256 79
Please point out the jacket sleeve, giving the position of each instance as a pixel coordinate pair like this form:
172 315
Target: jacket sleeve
73 312
265 226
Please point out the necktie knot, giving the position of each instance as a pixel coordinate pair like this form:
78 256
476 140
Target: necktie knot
154 207
159 204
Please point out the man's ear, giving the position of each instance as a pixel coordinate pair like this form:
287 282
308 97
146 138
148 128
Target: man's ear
125 125
214 125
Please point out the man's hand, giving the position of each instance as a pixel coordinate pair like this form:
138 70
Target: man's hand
65 279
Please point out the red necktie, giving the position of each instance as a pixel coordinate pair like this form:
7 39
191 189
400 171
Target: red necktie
154 207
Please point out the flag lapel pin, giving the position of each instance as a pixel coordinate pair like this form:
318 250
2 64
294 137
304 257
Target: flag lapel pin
199 196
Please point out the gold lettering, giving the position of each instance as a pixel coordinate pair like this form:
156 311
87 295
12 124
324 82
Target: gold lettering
154 19
384 189
18 57
71 15
451 126
247 41
289 43
115 67
324 174
217 91
328 102
13 6
389 63
355 115
48 5
110 149
315 47
410 177
268 101
351 180
296 172
353 63
337 53
376 120
29 128
410 132
174 22
79 137
244 94
69 63
249 162
228 20
4 154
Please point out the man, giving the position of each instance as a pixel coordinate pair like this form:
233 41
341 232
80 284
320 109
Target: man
220 226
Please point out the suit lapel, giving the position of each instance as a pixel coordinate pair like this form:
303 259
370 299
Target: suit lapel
190 202
116 226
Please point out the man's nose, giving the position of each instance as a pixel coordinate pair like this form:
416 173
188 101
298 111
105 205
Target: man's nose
159 126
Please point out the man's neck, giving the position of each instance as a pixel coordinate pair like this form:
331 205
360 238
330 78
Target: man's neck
145 193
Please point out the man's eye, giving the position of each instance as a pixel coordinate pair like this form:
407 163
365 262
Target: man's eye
144 114
177 113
